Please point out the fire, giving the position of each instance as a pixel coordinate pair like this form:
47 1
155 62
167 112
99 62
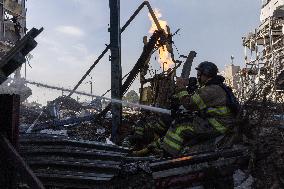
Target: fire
164 56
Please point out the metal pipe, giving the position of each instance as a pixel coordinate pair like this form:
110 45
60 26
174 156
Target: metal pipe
137 12
92 89
139 64
89 70
65 89
58 88
122 30
153 15
116 71
155 109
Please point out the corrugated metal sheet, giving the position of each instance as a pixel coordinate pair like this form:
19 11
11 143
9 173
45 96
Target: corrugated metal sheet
61 162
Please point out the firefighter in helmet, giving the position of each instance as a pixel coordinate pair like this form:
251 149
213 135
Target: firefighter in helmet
214 104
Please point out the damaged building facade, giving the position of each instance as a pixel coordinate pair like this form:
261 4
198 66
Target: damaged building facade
12 29
264 53
12 21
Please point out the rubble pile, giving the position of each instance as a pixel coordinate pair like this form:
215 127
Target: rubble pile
67 103
90 131
263 132
252 157
29 113
267 162
101 130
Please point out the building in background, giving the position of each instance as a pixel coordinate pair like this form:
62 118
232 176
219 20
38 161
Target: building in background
12 29
12 23
231 74
270 8
264 52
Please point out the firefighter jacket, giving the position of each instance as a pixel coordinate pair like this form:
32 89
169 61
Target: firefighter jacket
211 103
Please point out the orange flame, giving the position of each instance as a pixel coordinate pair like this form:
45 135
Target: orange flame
164 56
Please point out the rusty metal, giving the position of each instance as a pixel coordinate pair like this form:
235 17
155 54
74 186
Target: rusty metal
137 67
116 71
137 12
188 64
162 86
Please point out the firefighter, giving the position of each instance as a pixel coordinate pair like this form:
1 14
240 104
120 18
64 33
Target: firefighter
147 130
214 103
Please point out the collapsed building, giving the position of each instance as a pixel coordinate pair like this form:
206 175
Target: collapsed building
264 53
13 28
80 157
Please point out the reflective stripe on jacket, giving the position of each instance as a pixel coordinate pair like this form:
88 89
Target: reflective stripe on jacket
210 112
174 139
210 101
154 126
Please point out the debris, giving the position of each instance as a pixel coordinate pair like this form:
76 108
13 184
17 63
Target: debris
242 180
53 132
67 142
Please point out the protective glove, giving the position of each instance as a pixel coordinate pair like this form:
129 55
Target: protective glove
192 85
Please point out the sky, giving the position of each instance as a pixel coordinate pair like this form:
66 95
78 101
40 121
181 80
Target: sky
76 32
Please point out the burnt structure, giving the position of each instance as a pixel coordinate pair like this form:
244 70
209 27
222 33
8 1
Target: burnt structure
12 23
13 168
116 72
158 89
264 53
61 162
